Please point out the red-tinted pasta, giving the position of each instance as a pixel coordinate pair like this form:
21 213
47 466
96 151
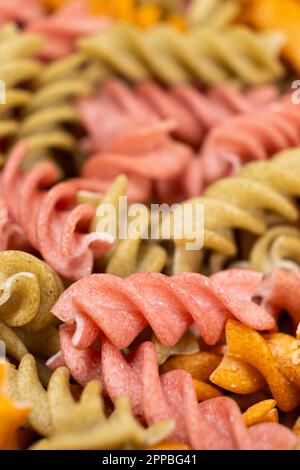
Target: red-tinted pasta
194 111
255 136
213 424
122 308
135 145
50 218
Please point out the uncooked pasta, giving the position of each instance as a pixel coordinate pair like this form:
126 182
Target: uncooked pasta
149 228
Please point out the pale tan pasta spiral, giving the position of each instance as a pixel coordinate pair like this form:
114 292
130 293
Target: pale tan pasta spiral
235 53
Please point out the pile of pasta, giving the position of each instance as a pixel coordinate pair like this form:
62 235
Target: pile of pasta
120 343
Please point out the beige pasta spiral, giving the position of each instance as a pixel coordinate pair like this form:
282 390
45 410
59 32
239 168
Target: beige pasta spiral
210 55
28 290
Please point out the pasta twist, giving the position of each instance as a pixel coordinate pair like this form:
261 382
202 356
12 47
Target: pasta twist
268 15
13 11
17 67
60 35
122 308
203 54
49 118
259 359
239 202
194 111
279 247
51 219
172 397
255 136
215 13
130 255
29 289
136 146
54 413
12 415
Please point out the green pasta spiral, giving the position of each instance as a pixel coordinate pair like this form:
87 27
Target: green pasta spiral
249 201
126 256
78 425
17 69
206 54
51 114
28 290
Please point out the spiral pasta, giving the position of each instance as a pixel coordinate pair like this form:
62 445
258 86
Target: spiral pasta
130 255
188 298
166 54
152 161
51 219
59 32
215 13
50 116
279 247
18 66
194 111
12 414
172 396
248 346
29 289
55 414
259 188
254 136
274 14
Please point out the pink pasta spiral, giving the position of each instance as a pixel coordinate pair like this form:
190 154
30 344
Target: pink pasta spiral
13 10
121 308
212 424
254 136
50 218
137 146
194 111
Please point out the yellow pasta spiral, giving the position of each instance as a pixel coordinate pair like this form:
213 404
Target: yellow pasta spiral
211 55
77 425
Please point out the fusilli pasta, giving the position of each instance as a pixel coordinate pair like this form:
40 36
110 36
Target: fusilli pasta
203 54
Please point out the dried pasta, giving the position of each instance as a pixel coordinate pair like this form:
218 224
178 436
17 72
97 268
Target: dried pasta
274 14
18 66
254 136
56 230
213 13
195 111
78 425
279 247
130 255
35 286
133 146
239 201
172 396
59 32
203 54
12 414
